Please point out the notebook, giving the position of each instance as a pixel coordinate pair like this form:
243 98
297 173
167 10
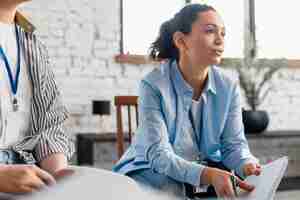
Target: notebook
267 182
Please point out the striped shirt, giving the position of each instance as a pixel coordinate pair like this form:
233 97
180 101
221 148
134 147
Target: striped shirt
14 123
46 134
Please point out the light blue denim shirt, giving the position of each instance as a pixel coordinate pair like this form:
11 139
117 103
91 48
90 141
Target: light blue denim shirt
165 100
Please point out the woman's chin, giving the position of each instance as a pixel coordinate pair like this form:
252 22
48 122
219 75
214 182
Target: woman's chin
216 61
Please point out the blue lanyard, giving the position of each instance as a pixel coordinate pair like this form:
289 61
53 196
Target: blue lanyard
13 83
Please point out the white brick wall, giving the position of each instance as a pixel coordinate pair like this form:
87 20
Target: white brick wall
283 103
83 37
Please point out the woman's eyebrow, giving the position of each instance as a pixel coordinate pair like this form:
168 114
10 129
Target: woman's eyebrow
215 26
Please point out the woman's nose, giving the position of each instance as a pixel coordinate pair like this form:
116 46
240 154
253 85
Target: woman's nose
219 39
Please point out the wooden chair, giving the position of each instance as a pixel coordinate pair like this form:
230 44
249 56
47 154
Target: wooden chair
127 102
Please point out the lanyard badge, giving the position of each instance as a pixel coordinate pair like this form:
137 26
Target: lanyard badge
13 82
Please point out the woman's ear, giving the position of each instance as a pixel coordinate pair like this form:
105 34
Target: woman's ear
179 42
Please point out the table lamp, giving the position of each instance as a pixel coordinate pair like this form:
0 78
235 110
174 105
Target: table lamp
102 108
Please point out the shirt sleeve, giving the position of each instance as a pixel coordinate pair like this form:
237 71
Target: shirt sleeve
153 140
50 115
234 146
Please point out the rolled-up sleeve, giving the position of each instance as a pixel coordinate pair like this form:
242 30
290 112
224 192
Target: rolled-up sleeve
53 139
50 115
234 146
153 140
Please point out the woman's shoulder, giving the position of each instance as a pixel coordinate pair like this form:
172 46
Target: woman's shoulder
159 76
225 77
27 28
24 23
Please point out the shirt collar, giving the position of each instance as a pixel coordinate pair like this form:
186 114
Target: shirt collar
184 87
211 83
180 84
24 23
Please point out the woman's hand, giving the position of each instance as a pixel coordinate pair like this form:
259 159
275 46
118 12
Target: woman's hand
60 174
252 169
54 163
23 178
220 179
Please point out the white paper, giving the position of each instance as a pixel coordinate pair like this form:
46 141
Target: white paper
268 181
87 184
90 183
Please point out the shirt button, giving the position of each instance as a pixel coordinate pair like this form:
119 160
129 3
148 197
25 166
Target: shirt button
186 108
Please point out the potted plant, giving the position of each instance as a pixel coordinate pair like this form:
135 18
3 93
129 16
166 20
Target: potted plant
255 76
255 81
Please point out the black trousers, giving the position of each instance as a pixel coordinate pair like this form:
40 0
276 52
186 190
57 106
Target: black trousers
189 189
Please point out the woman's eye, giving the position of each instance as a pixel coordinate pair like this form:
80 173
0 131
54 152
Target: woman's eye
214 30
209 29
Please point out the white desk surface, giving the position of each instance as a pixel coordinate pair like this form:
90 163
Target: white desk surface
87 184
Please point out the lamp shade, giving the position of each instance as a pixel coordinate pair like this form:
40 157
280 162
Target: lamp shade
101 107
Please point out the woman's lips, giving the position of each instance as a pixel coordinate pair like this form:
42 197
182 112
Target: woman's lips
218 52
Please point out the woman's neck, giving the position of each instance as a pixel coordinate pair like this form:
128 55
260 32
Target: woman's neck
7 12
195 75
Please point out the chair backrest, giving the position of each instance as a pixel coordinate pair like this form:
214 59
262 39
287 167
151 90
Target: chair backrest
127 102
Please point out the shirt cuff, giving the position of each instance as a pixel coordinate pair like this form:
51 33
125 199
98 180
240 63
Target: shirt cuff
239 170
51 144
193 174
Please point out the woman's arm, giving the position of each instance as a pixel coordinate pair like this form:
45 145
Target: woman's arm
234 146
54 163
153 140
55 145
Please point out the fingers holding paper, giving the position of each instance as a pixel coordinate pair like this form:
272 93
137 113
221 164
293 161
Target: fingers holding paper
58 175
224 182
219 179
244 185
252 169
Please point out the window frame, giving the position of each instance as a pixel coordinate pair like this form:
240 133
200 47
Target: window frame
138 59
